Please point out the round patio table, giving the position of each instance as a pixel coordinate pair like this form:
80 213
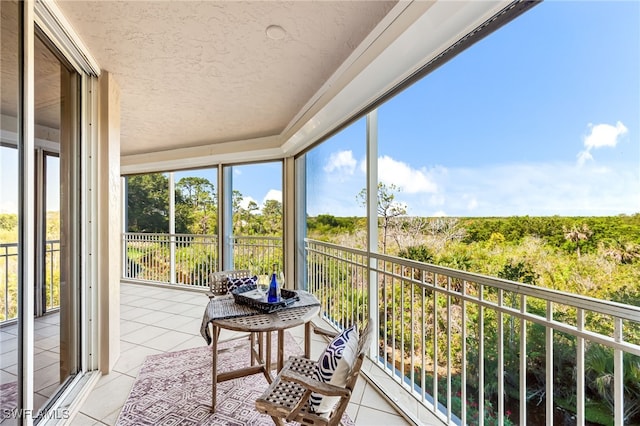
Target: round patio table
224 313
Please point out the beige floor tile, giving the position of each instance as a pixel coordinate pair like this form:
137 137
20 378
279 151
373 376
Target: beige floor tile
127 327
8 359
109 397
8 333
171 321
133 300
46 330
192 326
192 342
160 305
111 418
372 417
352 410
135 313
6 377
167 340
83 420
131 360
152 318
9 345
372 399
46 377
45 359
358 391
143 334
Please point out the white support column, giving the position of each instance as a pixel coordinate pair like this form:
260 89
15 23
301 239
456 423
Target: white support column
300 219
26 226
372 220
289 222
172 228
225 217
109 222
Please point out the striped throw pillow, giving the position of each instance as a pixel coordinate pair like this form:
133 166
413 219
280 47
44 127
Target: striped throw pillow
333 367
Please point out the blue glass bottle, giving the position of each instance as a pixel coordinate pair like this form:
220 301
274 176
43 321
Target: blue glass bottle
274 292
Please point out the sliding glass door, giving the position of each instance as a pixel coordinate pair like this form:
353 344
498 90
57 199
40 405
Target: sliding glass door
39 223
10 295
56 342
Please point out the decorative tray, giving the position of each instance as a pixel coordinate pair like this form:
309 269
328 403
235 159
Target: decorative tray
249 295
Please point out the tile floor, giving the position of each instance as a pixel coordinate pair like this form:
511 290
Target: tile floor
156 320
46 356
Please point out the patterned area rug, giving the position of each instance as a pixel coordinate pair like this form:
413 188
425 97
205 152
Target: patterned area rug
175 389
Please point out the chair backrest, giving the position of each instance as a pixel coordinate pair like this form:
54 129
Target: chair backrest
364 342
218 280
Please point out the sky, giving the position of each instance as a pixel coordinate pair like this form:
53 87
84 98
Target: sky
540 118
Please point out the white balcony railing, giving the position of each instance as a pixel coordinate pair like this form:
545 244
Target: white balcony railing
455 341
9 278
189 259
468 338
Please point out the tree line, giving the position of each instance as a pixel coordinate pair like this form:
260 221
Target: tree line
196 208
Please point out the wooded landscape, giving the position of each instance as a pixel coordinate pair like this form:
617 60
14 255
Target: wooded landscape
597 257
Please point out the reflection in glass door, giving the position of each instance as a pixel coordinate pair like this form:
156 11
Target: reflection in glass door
57 279
9 173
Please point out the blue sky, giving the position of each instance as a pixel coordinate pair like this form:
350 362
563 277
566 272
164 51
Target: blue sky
539 118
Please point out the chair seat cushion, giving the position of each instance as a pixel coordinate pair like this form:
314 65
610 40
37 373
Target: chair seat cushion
233 283
333 367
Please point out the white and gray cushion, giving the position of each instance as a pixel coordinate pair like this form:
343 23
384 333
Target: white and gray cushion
334 366
233 283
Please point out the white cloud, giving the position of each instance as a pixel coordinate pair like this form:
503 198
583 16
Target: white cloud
409 180
8 207
583 157
601 135
604 135
246 200
472 203
341 161
273 194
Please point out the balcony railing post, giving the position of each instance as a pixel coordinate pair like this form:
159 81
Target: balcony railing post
549 365
618 375
172 258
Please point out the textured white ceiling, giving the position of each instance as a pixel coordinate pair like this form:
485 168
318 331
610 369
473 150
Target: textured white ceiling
195 73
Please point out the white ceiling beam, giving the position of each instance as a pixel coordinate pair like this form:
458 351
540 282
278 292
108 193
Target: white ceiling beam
248 150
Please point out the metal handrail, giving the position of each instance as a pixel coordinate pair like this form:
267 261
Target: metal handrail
423 310
9 277
188 259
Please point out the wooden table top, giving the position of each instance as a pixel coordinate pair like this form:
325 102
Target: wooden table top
223 312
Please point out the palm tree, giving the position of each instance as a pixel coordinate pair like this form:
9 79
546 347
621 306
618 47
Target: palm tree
576 234
600 378
624 252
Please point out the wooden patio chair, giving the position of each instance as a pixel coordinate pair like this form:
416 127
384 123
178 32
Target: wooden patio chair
218 281
288 396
